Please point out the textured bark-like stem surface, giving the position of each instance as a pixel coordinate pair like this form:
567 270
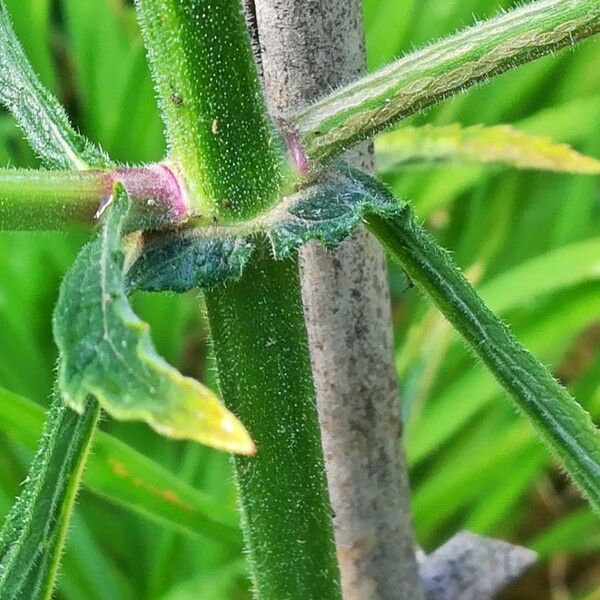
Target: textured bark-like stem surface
308 47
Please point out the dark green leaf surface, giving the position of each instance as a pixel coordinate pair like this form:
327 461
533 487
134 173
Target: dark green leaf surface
327 211
106 351
181 261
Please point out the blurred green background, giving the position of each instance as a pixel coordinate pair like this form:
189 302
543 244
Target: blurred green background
530 240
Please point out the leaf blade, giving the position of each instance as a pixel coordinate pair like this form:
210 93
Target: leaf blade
106 351
500 144
38 113
564 426
33 534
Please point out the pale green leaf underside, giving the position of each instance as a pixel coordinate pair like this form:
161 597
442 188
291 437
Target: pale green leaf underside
501 144
38 113
106 352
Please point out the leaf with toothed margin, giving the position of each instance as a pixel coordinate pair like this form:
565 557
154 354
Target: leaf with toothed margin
180 261
106 351
329 210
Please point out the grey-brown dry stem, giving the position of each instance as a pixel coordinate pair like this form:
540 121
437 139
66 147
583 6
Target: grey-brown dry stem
309 47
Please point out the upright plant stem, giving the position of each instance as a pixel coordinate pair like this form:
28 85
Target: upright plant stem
257 324
262 356
309 47
210 98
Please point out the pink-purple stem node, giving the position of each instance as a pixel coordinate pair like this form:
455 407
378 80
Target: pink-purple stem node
157 197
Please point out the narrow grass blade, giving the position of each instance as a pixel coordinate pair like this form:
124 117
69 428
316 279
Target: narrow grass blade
441 70
561 423
501 144
33 535
122 475
42 119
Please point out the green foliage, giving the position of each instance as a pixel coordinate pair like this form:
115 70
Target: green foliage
327 211
106 351
184 260
121 475
425 77
34 532
494 221
477 144
560 422
42 119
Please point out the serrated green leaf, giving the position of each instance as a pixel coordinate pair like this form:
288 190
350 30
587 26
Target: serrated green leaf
38 113
327 211
33 534
106 352
501 144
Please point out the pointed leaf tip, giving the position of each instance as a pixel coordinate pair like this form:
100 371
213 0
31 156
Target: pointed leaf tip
107 352
200 416
499 144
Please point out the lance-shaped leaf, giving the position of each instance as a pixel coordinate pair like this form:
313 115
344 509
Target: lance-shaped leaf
501 144
38 113
107 353
562 424
425 77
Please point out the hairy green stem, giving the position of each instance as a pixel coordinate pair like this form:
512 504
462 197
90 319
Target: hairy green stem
428 76
261 349
36 527
33 535
562 423
48 200
212 105
222 143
